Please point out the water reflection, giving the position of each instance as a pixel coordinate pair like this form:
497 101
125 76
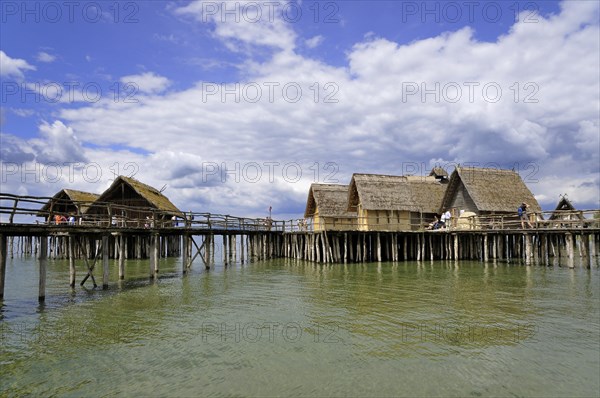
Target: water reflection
228 331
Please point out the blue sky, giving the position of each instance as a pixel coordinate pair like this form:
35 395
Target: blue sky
240 106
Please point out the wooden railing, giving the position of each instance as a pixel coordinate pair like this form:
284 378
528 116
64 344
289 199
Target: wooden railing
541 220
15 209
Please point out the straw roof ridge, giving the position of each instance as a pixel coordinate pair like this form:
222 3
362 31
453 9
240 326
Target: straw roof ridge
153 196
439 172
81 196
331 200
564 205
401 193
493 190
78 198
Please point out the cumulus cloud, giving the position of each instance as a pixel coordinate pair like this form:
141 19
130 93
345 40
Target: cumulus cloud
13 67
243 25
148 82
57 144
45 57
315 41
530 97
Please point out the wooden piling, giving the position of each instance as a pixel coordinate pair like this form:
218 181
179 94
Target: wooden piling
122 241
3 255
72 270
43 260
528 249
184 254
570 249
156 253
105 250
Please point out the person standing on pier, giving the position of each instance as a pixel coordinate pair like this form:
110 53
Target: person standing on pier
445 219
522 211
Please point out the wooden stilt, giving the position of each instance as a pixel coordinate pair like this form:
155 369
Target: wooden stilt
3 255
570 249
583 250
122 240
72 271
378 247
528 249
105 249
184 254
156 253
43 259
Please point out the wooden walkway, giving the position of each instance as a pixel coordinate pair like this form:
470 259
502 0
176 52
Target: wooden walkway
194 236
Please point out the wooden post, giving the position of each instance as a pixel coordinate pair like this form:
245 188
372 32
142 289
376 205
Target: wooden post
105 262
72 271
43 258
583 250
378 247
184 253
242 249
225 254
345 247
122 240
528 249
486 254
3 255
570 249
152 258
455 237
155 252
430 248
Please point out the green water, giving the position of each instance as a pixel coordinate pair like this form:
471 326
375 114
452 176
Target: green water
288 328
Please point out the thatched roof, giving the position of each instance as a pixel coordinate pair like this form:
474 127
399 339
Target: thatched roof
67 200
492 190
564 207
438 172
401 193
330 199
151 195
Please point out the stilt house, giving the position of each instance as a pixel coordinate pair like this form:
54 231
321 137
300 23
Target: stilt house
394 203
486 193
565 213
327 207
67 202
132 203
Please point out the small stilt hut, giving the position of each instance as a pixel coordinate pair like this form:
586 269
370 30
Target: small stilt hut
327 207
491 195
131 203
565 213
394 203
67 203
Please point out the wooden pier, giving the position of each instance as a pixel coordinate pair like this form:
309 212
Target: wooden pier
194 236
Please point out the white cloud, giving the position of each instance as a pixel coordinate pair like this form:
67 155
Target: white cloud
22 112
148 82
244 24
58 144
315 41
45 57
14 67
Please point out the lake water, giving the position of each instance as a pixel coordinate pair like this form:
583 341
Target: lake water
289 328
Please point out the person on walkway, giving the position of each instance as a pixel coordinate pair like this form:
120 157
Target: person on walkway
522 212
